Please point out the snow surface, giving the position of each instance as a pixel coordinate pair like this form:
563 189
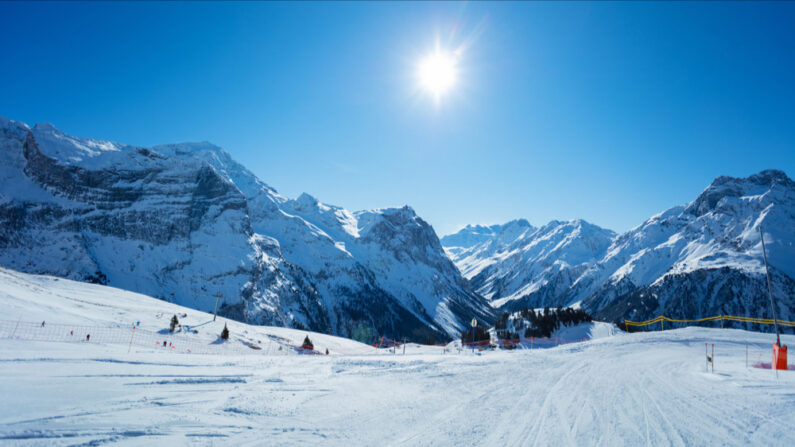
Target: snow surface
37 298
621 389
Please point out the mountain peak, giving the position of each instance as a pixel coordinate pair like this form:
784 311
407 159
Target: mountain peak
768 177
523 223
72 150
771 176
18 126
405 211
725 186
306 200
46 127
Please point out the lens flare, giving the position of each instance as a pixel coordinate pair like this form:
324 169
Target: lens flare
437 73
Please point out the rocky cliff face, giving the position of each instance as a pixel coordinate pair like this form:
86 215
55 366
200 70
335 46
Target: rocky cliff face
187 224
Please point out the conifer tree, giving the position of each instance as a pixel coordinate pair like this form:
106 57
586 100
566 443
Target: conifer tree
174 323
225 333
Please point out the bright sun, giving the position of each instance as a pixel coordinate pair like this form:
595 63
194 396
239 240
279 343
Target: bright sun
437 73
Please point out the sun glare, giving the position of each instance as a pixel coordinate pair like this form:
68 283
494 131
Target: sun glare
437 73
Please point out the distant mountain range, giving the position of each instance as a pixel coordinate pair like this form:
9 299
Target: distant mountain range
700 259
188 224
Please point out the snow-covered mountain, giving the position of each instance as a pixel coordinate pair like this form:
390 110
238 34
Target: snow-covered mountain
188 224
517 265
700 259
704 258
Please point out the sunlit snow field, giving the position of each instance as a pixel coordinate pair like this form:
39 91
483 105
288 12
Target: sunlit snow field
626 389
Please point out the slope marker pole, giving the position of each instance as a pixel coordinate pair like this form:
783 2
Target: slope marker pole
769 286
217 298
474 325
131 339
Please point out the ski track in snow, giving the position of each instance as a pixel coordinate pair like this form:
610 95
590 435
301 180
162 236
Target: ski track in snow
639 389
647 388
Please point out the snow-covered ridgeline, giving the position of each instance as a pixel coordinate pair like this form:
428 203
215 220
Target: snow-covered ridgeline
186 223
509 262
702 258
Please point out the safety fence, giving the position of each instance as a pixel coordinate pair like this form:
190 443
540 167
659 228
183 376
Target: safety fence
177 342
661 320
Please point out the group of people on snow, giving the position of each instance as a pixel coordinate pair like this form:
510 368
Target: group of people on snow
71 333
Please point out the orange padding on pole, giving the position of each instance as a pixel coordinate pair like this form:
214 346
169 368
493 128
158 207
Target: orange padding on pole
779 356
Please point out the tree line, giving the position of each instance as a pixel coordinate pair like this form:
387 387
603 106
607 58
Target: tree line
538 323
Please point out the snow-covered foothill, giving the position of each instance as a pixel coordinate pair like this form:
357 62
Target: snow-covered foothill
66 303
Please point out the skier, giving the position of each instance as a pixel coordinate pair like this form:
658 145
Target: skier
88 336
42 324
71 332
164 344
326 351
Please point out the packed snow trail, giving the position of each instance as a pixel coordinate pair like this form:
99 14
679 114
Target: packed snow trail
625 389
639 389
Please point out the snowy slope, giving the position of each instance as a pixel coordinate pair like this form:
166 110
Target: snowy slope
588 331
186 223
626 389
58 301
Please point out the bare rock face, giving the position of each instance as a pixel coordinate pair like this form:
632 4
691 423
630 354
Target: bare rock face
186 223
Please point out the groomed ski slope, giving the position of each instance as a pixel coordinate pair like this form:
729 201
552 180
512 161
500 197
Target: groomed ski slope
627 389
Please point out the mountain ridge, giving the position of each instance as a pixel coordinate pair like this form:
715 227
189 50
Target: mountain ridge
185 222
701 249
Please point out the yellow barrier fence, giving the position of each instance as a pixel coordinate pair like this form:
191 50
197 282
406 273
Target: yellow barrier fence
662 319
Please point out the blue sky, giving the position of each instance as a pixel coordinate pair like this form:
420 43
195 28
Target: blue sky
610 112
